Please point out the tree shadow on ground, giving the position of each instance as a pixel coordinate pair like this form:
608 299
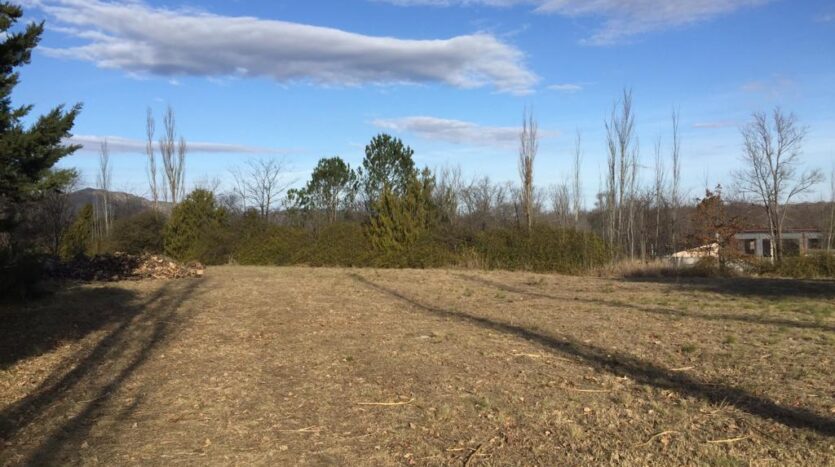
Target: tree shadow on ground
641 371
37 327
669 312
51 413
748 287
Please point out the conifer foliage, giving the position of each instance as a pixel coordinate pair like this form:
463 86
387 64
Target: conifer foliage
26 152
400 220
193 224
78 240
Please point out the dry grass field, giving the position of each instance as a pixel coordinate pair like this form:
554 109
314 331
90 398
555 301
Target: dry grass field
286 366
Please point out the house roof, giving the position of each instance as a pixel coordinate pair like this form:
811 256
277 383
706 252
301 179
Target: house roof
765 231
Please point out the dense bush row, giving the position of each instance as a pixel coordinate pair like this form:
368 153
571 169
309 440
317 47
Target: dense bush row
199 229
817 265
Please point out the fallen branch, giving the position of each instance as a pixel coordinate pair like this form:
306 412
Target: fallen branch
729 440
586 390
472 454
658 435
387 403
684 368
310 429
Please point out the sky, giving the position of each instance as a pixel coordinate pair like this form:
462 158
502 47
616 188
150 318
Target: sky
299 80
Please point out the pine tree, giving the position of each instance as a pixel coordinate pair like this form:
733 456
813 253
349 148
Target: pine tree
79 238
192 224
400 220
26 153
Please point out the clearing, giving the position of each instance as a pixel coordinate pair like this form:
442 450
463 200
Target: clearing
339 366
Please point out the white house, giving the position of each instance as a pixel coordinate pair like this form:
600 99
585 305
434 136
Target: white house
757 242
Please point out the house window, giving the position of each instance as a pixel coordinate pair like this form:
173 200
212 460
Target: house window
814 244
791 247
750 247
767 248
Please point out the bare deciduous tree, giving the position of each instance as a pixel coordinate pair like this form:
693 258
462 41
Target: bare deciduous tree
675 184
528 148
561 204
577 185
152 158
831 236
622 164
58 210
104 214
658 194
173 155
772 158
260 184
448 192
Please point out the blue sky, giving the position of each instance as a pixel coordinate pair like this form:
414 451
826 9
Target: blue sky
300 80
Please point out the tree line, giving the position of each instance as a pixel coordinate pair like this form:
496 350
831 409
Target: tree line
386 211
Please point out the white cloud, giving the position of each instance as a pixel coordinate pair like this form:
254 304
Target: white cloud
715 124
120 145
455 131
622 18
140 39
774 87
566 87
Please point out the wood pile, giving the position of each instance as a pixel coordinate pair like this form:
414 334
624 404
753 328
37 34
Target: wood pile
122 266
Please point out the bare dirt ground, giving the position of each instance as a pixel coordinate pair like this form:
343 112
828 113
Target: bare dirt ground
286 366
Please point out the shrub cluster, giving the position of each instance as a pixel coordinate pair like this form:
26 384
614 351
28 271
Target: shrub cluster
349 244
816 265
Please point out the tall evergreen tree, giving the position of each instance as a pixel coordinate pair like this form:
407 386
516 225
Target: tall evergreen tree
26 152
332 186
192 224
399 221
79 238
387 162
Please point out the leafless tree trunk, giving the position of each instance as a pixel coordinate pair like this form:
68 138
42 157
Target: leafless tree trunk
103 213
772 156
448 192
528 148
622 165
675 185
611 206
660 182
577 183
561 204
152 158
831 236
59 213
173 155
260 184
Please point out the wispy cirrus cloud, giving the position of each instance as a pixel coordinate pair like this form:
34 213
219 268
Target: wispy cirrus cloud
622 19
120 145
712 125
566 87
144 40
455 131
773 87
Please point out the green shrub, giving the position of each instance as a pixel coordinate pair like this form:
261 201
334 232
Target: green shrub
340 244
141 233
79 238
274 246
816 265
544 249
426 251
197 229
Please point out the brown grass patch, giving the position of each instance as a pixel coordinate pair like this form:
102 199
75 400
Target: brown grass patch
368 367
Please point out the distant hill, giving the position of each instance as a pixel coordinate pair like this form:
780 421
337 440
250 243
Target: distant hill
125 204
